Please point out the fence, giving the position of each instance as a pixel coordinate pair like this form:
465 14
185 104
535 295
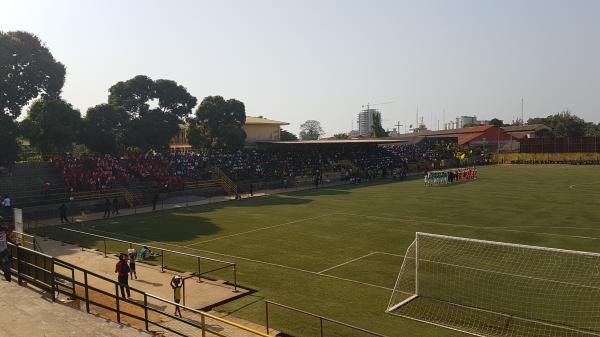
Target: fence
545 157
560 145
114 245
95 291
338 328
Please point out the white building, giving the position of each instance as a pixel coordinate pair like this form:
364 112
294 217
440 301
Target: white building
463 121
365 121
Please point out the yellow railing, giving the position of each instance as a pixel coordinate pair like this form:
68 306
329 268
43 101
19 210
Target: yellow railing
202 184
510 157
112 193
229 185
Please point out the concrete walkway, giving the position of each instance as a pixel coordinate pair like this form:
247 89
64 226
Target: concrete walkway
151 280
179 202
28 313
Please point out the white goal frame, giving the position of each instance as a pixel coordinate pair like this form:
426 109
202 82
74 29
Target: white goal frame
412 296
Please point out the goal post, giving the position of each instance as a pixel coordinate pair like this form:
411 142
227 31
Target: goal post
488 288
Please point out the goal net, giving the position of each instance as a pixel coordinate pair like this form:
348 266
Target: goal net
488 288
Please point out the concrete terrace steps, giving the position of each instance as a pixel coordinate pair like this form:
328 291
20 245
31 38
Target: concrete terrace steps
29 313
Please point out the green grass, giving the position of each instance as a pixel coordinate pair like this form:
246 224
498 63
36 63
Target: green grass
281 243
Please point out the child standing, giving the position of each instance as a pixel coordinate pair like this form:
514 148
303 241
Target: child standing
176 284
132 256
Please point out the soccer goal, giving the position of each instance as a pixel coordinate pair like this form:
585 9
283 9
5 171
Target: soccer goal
488 288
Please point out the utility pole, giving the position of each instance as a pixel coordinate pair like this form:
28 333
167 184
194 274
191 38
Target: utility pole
398 127
522 116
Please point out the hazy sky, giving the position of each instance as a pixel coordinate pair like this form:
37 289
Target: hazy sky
299 60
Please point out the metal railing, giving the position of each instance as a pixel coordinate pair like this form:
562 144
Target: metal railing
321 319
198 259
81 289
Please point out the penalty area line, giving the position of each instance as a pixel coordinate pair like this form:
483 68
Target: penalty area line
356 259
255 261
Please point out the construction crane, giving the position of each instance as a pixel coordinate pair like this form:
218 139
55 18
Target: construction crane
369 105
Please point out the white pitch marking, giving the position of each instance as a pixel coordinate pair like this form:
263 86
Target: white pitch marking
260 229
255 261
347 262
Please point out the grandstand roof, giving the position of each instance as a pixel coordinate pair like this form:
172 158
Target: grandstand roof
464 135
338 141
260 120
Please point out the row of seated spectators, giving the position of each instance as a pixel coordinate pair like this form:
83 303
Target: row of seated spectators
168 171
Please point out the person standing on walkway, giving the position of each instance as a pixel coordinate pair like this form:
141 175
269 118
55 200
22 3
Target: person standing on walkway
106 208
251 190
63 213
115 204
132 256
122 270
177 284
5 258
154 201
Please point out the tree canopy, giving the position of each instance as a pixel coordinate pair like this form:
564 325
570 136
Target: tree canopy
341 136
27 70
103 128
564 124
52 125
154 109
497 122
218 123
377 130
287 136
311 130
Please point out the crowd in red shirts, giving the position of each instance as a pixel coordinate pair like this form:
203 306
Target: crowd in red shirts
163 171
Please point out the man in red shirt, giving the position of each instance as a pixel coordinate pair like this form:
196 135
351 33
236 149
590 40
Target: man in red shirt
122 270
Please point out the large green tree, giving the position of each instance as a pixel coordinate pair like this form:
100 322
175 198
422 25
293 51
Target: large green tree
103 128
497 122
27 70
287 136
564 124
218 124
377 130
51 125
311 130
154 109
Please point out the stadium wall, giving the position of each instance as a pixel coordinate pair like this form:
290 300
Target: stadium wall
506 158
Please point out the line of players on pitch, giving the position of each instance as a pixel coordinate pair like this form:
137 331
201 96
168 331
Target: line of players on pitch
450 176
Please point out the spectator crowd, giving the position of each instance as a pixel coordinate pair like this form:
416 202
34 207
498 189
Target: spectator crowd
169 171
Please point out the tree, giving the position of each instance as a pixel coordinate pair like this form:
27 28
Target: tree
592 130
311 130
377 130
564 124
497 122
51 125
27 70
341 136
218 124
103 128
154 109
8 144
287 136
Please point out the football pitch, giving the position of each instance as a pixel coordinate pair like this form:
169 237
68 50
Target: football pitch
337 251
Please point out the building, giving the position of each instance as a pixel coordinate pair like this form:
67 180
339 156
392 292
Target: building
529 131
463 122
365 121
179 143
488 136
261 129
256 128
